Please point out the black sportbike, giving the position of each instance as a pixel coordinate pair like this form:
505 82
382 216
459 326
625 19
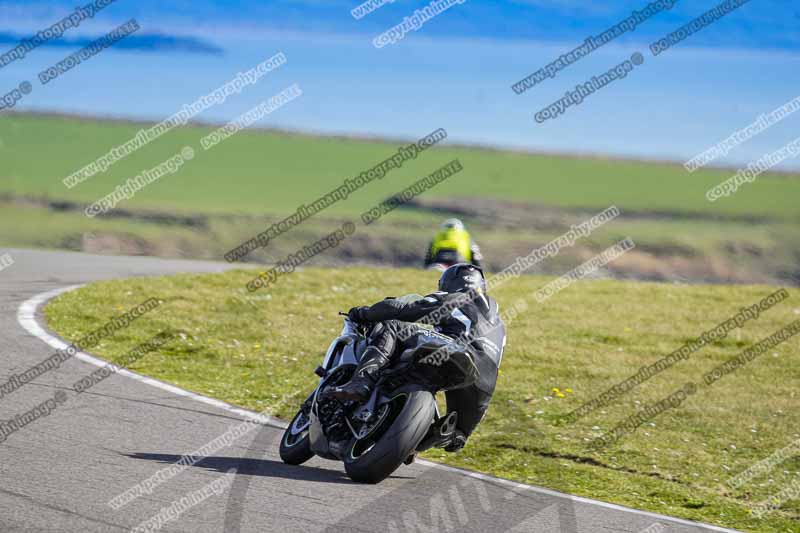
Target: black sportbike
401 417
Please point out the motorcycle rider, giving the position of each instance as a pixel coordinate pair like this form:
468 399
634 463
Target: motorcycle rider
453 244
465 316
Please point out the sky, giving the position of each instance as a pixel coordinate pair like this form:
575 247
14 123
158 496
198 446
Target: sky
454 72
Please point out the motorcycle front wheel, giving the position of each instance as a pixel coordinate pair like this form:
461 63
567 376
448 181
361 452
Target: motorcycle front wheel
295 445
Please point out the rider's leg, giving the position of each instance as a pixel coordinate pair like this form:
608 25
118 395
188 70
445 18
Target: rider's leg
471 404
382 344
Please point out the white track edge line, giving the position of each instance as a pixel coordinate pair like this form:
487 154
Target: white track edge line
26 316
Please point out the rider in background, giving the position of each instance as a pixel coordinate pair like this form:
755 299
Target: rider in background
452 244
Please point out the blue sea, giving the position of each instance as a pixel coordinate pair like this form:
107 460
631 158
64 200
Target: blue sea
455 70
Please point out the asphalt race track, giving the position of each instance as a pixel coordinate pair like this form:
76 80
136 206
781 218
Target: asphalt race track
58 473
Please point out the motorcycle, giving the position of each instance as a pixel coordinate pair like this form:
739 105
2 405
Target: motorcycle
445 259
439 267
401 417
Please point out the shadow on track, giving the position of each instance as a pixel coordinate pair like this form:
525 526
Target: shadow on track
253 467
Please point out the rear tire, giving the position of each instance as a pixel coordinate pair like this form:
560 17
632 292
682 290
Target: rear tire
395 445
295 448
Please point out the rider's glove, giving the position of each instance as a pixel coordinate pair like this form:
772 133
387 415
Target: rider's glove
457 442
357 314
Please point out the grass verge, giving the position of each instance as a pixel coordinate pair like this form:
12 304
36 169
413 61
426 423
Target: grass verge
252 349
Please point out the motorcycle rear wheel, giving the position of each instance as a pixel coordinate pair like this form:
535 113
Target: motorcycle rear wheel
373 459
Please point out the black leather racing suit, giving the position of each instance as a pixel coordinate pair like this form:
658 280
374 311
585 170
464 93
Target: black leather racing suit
475 322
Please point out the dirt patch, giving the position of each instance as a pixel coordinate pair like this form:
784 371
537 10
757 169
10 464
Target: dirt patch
680 268
116 244
156 217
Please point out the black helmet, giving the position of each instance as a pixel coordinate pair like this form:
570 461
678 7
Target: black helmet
462 276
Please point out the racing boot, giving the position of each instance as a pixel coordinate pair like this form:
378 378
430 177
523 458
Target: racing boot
360 386
441 432
457 441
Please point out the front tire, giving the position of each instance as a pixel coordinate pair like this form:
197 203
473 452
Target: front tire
374 461
295 448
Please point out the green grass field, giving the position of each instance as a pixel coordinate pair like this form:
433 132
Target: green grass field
258 173
251 350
